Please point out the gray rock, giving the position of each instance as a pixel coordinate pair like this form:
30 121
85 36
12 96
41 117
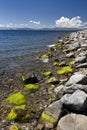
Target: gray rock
40 127
83 53
77 79
61 90
84 65
76 101
80 59
53 80
84 45
70 55
74 46
73 122
55 109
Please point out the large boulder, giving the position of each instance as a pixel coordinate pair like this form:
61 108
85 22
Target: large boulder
73 122
76 101
77 79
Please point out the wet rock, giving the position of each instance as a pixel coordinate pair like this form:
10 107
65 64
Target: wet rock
80 59
31 80
53 80
77 79
74 46
73 122
84 65
70 55
75 102
62 89
52 114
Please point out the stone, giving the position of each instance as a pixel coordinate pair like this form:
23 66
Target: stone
80 59
75 102
84 65
74 46
84 45
83 53
53 80
31 80
13 127
40 127
70 55
73 122
47 73
62 89
52 113
77 79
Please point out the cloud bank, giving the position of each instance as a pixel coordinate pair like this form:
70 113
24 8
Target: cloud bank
65 22
34 22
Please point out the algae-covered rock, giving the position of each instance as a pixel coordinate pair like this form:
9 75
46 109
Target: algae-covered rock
56 63
14 127
47 73
44 56
31 87
17 99
48 118
19 113
65 70
53 80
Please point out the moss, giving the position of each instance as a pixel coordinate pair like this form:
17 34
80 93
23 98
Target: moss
65 70
14 127
12 115
44 56
56 63
23 79
48 118
31 87
17 99
47 73
71 62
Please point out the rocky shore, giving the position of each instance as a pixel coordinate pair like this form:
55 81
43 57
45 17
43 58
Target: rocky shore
51 94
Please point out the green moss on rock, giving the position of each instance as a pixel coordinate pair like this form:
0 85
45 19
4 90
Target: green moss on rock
14 127
48 118
12 115
45 56
17 99
31 87
65 70
47 73
56 63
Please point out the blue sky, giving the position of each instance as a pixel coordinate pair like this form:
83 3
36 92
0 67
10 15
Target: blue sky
43 13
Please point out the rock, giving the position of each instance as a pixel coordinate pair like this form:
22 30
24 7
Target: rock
61 90
80 59
77 79
45 60
63 63
84 45
13 127
31 80
73 122
75 102
53 80
40 127
83 53
84 65
70 55
17 99
52 113
74 46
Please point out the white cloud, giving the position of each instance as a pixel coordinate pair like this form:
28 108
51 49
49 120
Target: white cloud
34 22
66 22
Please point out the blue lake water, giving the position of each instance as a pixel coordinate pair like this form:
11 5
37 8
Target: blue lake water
22 42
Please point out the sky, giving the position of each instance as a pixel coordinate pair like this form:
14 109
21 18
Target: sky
43 13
